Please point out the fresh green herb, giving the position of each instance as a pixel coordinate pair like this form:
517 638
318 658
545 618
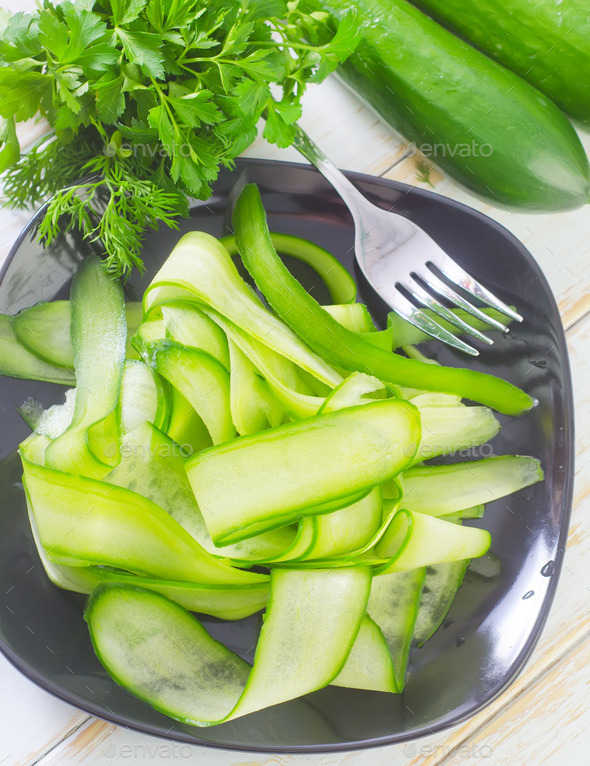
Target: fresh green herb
423 172
146 100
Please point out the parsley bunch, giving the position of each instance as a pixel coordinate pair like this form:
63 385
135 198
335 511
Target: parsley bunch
145 100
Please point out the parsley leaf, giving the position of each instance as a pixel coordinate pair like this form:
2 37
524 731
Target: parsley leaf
150 98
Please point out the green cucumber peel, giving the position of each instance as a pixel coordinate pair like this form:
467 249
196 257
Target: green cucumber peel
202 380
188 325
339 346
45 330
227 602
82 521
253 483
145 395
90 444
440 588
357 389
369 664
252 404
448 430
280 373
160 653
153 465
340 284
16 361
393 604
186 427
408 542
201 269
442 489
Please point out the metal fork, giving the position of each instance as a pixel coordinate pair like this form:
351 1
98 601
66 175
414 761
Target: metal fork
399 259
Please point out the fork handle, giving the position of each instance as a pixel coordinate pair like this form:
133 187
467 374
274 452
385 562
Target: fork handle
312 152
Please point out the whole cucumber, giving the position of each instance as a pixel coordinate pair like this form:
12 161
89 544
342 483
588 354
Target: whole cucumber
482 124
544 41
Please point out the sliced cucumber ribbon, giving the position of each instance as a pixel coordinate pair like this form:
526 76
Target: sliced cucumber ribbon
162 654
254 483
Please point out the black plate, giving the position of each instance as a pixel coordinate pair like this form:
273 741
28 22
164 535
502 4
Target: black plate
499 612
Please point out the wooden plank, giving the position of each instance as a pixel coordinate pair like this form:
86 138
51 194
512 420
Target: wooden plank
547 723
32 720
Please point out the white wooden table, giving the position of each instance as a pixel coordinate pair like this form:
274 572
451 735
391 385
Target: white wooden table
544 717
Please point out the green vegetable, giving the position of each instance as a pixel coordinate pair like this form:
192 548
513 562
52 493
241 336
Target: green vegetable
200 269
369 664
204 383
82 521
199 681
145 102
393 604
481 123
545 42
17 361
441 489
255 483
45 330
407 542
338 345
440 588
90 444
228 602
340 284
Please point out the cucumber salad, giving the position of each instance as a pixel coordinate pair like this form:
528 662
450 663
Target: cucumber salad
221 453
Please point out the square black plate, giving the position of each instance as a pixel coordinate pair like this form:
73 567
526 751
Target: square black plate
498 614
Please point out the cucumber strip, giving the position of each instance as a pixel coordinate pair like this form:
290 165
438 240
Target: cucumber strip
153 465
16 361
447 430
144 396
416 540
393 605
255 483
253 407
202 380
345 531
201 268
45 330
352 392
405 334
91 443
442 489
186 427
227 602
340 284
189 326
279 373
84 521
440 588
339 346
160 653
369 664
